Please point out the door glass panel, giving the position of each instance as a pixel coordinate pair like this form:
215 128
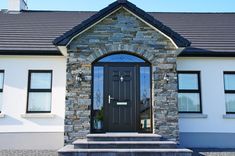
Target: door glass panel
121 58
98 88
145 104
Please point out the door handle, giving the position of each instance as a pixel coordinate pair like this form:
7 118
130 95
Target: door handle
110 98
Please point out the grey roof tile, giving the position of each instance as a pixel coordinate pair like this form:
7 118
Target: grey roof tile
32 31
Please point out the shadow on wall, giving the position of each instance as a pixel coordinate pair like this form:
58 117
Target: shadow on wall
52 121
8 120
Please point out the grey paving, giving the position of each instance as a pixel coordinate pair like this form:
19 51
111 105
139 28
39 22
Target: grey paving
197 152
28 153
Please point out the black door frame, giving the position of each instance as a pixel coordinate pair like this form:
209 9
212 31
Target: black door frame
120 64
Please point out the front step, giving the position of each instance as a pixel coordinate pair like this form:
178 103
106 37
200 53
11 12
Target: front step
69 150
123 144
123 137
84 144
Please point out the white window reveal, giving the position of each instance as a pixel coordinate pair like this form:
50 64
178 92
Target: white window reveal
229 89
189 92
39 92
1 88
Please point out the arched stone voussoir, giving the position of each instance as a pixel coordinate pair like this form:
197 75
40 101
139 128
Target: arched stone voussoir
139 51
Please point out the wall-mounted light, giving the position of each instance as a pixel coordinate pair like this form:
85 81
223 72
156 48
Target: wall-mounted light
166 78
79 77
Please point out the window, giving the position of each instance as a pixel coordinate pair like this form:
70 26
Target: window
189 96
121 58
98 99
145 99
1 88
39 92
229 89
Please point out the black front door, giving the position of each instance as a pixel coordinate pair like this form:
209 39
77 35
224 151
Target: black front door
120 94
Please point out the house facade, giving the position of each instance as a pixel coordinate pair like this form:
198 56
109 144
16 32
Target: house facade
68 74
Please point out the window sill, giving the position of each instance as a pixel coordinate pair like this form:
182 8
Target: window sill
229 116
38 115
192 115
2 115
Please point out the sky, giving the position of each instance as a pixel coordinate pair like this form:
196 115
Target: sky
147 5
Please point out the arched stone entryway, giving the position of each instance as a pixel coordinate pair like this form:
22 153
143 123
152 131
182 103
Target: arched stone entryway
121 32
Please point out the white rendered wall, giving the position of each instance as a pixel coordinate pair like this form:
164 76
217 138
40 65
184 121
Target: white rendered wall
15 100
212 92
213 100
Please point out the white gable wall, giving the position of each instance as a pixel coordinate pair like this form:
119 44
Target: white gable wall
19 131
211 126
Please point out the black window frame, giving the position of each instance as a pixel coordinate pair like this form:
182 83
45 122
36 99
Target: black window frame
191 90
228 91
1 89
37 90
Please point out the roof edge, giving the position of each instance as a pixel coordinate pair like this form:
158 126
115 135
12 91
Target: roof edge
64 39
179 40
207 54
31 52
150 12
67 36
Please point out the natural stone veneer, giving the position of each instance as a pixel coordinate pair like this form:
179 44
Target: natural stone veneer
121 32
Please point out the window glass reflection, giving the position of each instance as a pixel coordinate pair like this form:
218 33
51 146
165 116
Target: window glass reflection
1 89
189 102
188 81
1 80
230 103
229 80
0 101
40 81
145 105
98 111
39 101
121 58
